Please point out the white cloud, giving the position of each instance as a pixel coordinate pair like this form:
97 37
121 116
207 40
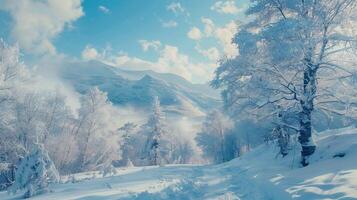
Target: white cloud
223 35
226 7
175 62
90 53
211 53
209 26
146 45
177 8
169 24
194 34
104 9
119 59
170 60
36 22
132 63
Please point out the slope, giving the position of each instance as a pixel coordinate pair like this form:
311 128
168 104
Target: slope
258 175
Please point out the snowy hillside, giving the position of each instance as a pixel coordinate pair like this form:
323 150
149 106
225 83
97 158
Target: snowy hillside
138 88
258 175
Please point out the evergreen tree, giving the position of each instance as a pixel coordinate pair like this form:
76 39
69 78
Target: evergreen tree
126 145
34 173
156 146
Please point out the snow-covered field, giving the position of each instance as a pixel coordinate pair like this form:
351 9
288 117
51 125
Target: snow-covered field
259 174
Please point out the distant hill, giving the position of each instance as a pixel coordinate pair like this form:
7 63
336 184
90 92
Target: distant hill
137 88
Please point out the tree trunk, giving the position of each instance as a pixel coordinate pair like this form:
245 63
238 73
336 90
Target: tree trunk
83 156
222 145
307 106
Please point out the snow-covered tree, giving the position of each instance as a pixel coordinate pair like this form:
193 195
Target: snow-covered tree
127 146
297 57
181 150
28 115
281 134
13 75
33 115
98 145
28 121
64 151
12 71
55 113
213 138
34 173
108 169
57 130
156 147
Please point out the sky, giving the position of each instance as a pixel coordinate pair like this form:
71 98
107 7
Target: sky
185 37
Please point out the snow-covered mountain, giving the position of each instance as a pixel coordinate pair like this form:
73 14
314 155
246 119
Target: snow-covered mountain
137 88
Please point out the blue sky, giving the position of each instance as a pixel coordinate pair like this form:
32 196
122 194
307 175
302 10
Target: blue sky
183 37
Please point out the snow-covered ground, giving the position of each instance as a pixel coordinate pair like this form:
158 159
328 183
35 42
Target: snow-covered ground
260 174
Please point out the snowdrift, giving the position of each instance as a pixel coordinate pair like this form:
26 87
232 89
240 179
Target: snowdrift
332 173
258 175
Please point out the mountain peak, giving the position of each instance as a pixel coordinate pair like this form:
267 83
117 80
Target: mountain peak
147 79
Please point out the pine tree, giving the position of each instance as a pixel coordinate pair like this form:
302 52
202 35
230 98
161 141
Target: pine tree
156 144
34 173
126 146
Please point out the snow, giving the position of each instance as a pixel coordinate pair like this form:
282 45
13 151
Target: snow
259 174
139 87
34 173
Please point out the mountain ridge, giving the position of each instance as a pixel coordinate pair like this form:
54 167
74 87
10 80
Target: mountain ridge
138 88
